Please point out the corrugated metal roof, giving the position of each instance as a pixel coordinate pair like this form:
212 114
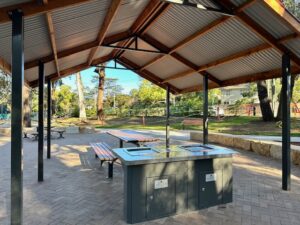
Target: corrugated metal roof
230 38
294 46
167 67
238 2
79 24
50 68
5 41
127 14
73 60
36 38
206 3
186 82
4 3
259 62
141 58
179 23
33 73
103 52
265 18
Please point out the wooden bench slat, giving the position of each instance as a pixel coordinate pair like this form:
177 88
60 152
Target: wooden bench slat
103 151
102 154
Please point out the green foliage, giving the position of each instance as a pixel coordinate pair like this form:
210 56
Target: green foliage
214 96
66 101
251 92
296 92
293 7
188 103
5 89
148 94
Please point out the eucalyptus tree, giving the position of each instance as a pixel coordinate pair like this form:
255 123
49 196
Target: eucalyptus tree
81 101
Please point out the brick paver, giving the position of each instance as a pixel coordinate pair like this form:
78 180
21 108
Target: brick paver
75 190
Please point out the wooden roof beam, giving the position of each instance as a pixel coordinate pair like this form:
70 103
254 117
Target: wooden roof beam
72 70
111 39
33 8
276 73
158 45
178 75
146 74
198 34
115 5
278 9
198 88
152 12
224 60
51 34
228 59
261 32
52 40
213 25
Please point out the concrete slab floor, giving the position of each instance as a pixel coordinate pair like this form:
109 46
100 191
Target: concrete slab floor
75 190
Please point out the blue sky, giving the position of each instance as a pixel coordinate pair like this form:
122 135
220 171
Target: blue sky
126 78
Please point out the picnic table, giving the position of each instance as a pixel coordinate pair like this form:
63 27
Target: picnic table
35 134
129 136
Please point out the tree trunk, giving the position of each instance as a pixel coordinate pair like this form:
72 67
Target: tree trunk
100 112
82 113
266 110
27 107
279 109
53 101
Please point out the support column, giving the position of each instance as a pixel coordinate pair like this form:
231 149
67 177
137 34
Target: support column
168 117
49 112
205 110
41 123
286 119
17 117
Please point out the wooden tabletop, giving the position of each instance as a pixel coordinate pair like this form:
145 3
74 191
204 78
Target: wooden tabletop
131 136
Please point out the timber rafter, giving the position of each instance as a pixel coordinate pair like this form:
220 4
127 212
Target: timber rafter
151 13
229 58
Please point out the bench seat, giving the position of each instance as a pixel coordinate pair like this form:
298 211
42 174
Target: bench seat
60 132
191 122
103 152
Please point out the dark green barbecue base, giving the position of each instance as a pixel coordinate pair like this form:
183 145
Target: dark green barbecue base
187 188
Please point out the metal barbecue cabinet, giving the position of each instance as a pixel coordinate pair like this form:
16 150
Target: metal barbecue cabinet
160 181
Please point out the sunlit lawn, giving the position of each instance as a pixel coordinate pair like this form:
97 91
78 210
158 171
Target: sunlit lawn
231 125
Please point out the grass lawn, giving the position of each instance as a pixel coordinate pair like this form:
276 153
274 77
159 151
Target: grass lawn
230 125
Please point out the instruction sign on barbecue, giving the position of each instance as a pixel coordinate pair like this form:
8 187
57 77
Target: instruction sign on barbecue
158 184
210 177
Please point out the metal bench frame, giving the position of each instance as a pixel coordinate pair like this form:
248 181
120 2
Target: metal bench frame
60 132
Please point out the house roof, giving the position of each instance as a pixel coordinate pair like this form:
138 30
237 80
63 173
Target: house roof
183 42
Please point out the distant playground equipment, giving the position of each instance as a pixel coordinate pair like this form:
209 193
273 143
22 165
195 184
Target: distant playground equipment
250 109
295 108
4 114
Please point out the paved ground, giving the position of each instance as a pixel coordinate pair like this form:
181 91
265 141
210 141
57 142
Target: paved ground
75 190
